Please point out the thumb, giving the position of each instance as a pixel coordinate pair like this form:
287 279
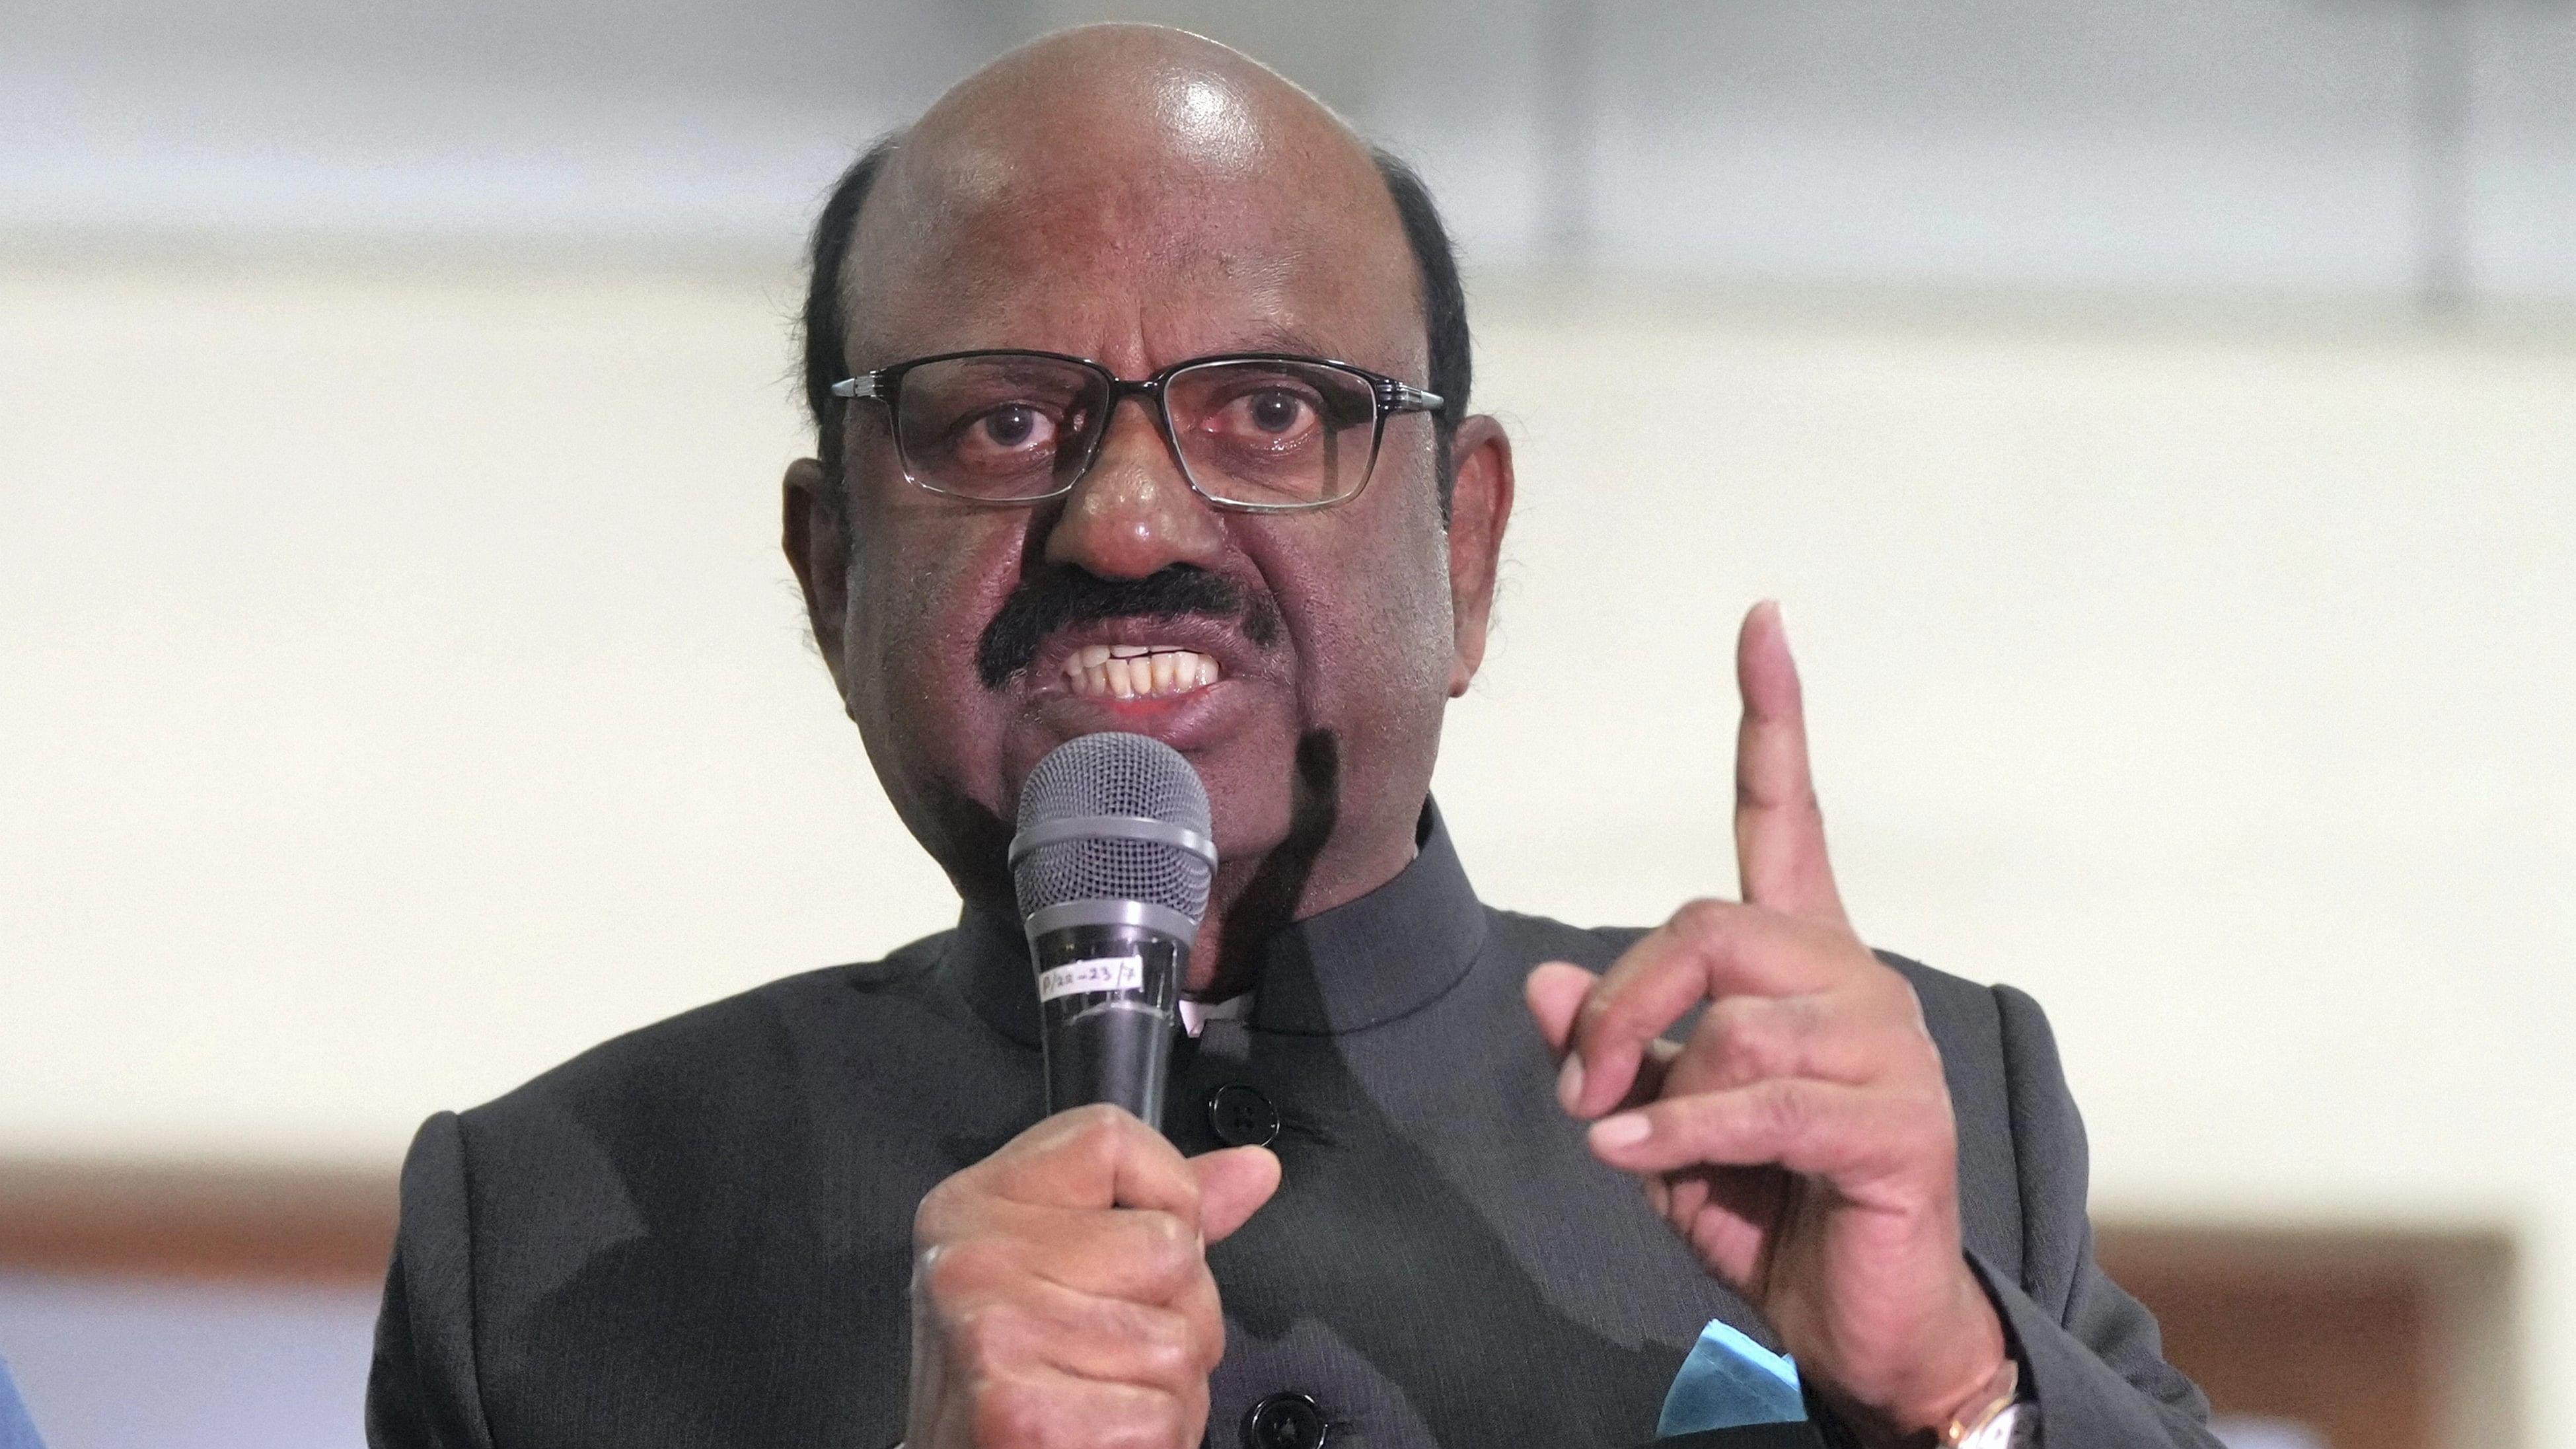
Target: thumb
1233 1184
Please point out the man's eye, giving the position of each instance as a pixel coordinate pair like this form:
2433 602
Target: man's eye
1276 412
1012 427
1272 415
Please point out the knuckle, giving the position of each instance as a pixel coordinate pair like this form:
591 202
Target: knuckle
1738 1027
1013 1414
1700 922
935 1219
984 1340
1202 1321
949 1272
1747 1038
1783 1111
1167 1352
1088 1136
1098 1130
1171 1245
1184 1216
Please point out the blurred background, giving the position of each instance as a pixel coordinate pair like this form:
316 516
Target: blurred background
2159 419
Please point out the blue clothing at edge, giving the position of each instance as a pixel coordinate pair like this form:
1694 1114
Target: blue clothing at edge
16 1431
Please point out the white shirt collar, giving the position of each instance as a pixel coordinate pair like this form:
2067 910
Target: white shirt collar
1197 1014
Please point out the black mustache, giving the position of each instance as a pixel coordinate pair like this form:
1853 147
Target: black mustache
1065 597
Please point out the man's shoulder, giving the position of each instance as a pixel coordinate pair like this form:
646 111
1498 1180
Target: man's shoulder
751 1153
752 1041
1522 936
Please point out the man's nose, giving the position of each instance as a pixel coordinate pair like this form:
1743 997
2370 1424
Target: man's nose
1133 514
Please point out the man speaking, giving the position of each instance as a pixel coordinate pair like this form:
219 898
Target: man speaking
1141 386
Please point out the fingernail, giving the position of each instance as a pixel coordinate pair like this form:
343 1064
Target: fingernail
1569 1081
1625 1130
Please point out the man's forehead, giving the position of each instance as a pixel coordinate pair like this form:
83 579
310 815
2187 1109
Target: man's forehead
1095 258
1132 183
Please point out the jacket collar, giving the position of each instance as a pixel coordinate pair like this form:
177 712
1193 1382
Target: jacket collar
1385 955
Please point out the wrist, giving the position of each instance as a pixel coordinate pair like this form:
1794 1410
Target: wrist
1969 1399
1968 1375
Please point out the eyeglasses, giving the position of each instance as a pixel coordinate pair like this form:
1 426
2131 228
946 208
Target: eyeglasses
1260 431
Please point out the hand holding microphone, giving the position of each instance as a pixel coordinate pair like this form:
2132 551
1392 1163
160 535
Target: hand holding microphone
1060 1290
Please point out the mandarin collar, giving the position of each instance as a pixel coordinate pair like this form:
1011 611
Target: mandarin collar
1361 964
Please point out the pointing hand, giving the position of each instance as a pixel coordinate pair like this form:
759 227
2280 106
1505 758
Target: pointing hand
1801 1140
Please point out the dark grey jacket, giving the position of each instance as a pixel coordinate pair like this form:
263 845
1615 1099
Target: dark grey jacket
698 1235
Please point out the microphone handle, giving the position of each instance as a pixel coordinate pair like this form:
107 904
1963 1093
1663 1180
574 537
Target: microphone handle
1108 1007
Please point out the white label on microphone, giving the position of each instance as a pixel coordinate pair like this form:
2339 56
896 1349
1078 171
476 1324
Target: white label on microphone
1105 973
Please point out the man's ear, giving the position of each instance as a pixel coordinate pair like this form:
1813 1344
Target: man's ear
1480 507
818 549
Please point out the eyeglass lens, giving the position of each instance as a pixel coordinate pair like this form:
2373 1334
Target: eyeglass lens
1263 433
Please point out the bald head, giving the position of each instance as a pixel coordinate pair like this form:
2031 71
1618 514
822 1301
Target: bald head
1149 165
1135 105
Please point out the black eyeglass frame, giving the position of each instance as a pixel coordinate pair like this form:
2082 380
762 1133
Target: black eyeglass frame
1389 396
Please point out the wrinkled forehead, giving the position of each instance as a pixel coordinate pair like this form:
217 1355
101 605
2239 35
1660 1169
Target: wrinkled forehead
1171 214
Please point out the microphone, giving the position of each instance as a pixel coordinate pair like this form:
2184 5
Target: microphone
1111 863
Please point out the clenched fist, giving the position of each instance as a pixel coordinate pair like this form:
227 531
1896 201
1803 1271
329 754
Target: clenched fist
1060 1289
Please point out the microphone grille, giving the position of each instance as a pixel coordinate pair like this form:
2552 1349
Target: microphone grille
1113 775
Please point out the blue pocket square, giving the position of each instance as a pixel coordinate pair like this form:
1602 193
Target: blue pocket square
1729 1381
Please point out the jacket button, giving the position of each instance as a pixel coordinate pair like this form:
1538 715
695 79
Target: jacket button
1285 1421
1242 1117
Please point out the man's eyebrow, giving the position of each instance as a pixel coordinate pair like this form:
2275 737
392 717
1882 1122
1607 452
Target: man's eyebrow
1273 337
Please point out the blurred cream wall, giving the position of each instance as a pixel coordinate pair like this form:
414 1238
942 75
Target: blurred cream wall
400 690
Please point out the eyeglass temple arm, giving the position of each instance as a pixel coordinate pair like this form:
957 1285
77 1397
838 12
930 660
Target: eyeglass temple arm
864 385
1397 397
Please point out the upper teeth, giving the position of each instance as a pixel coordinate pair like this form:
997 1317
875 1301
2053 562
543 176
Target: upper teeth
1136 671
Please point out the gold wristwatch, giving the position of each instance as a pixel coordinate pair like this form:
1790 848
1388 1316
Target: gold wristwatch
1995 1417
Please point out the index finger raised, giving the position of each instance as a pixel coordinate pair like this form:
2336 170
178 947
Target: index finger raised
1779 827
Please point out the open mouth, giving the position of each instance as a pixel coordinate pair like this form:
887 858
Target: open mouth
1137 671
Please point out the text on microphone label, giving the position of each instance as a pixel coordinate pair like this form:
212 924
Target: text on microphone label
1105 973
